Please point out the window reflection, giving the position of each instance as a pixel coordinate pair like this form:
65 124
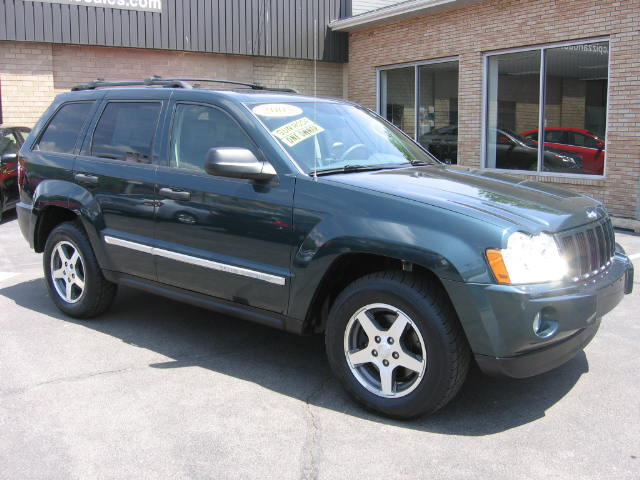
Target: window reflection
398 98
575 102
438 110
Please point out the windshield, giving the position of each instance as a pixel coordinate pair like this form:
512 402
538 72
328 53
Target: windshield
323 137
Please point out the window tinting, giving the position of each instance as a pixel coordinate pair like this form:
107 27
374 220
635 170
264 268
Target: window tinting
196 129
125 131
62 132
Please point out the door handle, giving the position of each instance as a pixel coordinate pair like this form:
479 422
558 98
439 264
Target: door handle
86 179
175 194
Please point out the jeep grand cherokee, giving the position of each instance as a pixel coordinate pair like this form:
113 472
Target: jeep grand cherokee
315 215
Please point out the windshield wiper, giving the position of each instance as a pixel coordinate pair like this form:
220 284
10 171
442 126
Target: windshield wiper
417 163
351 168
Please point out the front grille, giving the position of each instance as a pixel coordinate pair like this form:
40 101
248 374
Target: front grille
589 249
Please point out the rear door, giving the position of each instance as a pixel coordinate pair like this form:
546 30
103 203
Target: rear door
116 166
224 237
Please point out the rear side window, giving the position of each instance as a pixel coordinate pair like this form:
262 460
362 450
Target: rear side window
62 132
554 136
125 131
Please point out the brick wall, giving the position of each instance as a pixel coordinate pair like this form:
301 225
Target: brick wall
26 81
469 32
32 73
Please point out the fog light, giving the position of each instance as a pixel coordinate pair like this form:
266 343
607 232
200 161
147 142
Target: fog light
543 324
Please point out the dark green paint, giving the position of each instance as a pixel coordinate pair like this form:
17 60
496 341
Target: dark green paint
296 227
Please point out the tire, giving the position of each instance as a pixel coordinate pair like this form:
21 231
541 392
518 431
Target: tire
430 366
69 260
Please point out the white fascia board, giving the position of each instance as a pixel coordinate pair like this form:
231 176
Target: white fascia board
399 11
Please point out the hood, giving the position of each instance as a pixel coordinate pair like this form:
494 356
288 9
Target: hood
490 196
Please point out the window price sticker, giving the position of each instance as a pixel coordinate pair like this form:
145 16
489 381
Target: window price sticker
277 110
295 132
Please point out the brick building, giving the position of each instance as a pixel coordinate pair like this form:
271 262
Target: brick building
461 76
493 84
48 46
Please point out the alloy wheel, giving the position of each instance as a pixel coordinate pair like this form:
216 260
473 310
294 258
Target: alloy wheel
68 272
385 350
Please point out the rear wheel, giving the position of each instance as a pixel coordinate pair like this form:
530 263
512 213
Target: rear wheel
73 277
396 345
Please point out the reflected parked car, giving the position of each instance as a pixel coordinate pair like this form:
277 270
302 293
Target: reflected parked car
442 143
11 139
576 140
519 153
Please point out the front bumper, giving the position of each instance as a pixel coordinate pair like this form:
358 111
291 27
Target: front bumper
499 319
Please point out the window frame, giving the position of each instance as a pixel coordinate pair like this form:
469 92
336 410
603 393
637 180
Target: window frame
416 90
541 106
35 145
88 148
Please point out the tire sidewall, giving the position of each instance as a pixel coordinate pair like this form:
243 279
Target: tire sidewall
69 233
433 385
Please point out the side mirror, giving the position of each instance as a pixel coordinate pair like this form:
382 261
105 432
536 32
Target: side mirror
8 158
237 163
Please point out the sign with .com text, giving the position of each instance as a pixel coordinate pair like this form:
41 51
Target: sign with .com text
139 5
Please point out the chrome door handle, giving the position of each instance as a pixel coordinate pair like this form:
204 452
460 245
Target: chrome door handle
86 179
175 194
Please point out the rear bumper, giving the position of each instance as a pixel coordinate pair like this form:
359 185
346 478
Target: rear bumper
500 320
25 221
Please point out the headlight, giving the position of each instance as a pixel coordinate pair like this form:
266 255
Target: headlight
528 259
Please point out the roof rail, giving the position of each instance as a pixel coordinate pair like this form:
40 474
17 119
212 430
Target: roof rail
155 80
252 86
173 83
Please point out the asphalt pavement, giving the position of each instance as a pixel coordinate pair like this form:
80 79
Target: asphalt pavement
159 389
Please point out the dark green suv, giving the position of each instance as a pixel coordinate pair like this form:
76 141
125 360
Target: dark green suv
314 215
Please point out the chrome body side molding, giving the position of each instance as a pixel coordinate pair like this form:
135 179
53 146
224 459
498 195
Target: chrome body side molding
201 262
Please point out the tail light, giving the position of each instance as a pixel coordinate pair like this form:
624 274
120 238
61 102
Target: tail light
21 172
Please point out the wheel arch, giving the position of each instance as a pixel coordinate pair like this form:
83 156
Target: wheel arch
347 268
58 201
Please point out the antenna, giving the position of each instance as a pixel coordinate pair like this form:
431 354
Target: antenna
315 91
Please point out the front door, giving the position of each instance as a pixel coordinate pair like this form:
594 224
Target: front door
116 167
224 237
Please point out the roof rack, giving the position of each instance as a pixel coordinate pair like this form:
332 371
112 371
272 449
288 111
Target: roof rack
172 83
155 80
252 86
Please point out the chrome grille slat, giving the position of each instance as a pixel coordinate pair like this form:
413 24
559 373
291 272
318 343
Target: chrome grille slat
594 260
588 249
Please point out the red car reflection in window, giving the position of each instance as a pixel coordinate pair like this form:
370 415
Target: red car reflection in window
576 140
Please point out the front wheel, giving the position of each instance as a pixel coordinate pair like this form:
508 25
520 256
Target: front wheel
72 273
395 343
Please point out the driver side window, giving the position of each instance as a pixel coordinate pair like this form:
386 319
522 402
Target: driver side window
196 129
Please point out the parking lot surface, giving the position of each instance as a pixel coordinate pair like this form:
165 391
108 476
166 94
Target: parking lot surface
159 389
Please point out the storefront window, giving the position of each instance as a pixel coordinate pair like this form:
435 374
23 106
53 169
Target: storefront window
429 114
438 110
398 92
574 93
